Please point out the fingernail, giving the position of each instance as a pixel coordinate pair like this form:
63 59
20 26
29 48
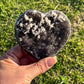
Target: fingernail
51 61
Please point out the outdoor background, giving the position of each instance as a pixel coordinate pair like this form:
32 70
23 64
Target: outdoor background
70 66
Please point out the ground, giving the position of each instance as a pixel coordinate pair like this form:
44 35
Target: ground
70 66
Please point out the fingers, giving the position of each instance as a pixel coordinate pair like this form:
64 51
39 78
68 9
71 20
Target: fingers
40 67
27 60
18 55
16 51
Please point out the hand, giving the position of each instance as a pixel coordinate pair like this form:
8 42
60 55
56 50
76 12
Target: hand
18 67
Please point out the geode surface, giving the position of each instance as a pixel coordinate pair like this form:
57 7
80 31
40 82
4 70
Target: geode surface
42 34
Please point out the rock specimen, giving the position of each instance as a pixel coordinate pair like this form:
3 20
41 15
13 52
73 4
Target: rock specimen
42 34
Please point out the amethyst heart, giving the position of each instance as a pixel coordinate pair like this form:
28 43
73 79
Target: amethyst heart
42 34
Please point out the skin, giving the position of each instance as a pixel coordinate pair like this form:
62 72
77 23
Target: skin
18 67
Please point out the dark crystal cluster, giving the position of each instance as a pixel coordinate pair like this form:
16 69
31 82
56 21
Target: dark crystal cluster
42 34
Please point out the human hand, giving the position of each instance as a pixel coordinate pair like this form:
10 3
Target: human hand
17 67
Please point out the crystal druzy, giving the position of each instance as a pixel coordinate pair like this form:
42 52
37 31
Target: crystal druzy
42 34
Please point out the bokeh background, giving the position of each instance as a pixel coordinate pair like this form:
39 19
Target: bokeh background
70 66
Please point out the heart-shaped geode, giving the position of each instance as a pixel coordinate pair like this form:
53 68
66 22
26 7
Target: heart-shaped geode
42 34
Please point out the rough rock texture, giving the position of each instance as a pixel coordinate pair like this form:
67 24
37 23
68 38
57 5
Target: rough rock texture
42 34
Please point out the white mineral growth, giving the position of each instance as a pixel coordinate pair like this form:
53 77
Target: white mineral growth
42 20
36 32
26 24
61 18
30 19
30 25
26 31
43 29
21 24
52 25
48 21
20 39
59 38
38 36
19 21
35 27
43 15
54 14
26 17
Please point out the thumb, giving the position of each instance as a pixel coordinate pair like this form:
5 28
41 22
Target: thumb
40 67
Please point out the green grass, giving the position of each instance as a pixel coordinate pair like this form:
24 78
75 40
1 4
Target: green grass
70 66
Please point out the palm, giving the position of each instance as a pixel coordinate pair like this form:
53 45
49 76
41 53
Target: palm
19 56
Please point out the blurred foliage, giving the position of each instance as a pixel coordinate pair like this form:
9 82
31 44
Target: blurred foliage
70 66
